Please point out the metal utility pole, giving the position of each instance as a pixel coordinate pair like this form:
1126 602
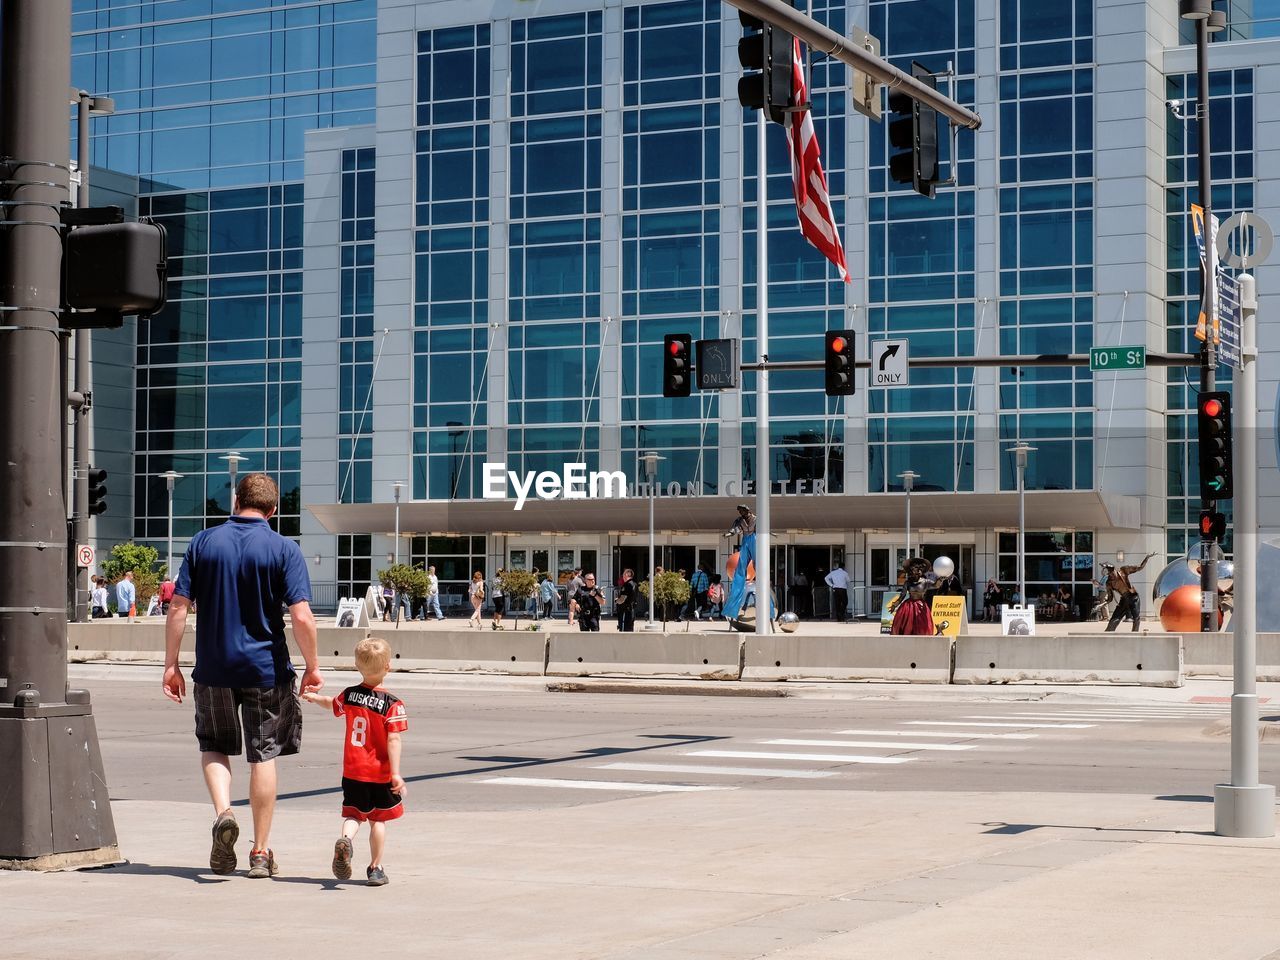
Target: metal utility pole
1022 449
1200 12
54 808
233 466
82 400
171 478
908 479
1244 807
651 459
764 482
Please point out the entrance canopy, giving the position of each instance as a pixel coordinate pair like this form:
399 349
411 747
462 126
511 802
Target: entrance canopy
1046 509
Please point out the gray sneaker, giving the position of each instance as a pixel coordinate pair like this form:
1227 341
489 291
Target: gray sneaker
377 877
262 864
342 859
222 856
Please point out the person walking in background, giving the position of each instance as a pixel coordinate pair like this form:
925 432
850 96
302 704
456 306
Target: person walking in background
801 595
586 605
499 601
546 595
475 593
992 600
242 574
715 597
699 584
433 595
571 591
98 598
165 594
838 581
624 602
388 601
126 595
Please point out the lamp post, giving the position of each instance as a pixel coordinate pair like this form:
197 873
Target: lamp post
1021 450
233 466
170 478
86 106
398 486
908 479
651 459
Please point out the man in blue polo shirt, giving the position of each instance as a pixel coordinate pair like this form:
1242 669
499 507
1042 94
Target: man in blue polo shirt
240 574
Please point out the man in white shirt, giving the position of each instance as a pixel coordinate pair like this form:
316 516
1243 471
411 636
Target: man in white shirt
433 593
838 581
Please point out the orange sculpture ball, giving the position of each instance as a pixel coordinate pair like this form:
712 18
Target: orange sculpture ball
1180 612
731 565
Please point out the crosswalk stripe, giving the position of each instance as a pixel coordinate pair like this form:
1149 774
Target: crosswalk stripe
899 745
937 733
601 785
1023 726
811 757
701 770
1048 716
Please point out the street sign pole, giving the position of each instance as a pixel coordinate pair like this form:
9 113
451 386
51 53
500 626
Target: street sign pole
764 485
1244 807
54 807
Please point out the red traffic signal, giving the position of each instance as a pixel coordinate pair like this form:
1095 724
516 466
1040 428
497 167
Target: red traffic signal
676 379
838 361
1213 415
1213 525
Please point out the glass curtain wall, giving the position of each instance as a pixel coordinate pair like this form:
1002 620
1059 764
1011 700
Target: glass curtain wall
212 102
355 331
921 284
451 263
806 295
1232 167
670 230
554 317
1046 238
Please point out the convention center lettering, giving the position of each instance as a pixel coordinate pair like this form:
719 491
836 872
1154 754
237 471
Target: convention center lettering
575 482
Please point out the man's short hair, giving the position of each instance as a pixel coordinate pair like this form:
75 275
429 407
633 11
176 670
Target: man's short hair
372 652
257 491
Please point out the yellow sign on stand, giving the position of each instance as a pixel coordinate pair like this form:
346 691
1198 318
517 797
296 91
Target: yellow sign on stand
950 616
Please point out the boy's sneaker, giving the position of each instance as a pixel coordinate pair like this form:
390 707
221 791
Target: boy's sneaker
222 856
342 859
377 877
262 864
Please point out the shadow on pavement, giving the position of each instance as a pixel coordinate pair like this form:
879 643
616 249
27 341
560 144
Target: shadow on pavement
194 874
1012 829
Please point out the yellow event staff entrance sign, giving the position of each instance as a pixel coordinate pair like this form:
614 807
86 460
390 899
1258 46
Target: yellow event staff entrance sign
950 618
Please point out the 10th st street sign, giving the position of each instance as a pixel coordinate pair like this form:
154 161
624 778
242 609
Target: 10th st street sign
1118 358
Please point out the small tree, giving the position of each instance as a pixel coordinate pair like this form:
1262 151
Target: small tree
519 586
670 589
144 562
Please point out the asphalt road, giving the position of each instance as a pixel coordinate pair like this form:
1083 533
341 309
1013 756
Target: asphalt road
490 748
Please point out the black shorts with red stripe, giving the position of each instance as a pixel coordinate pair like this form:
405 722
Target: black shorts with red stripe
374 802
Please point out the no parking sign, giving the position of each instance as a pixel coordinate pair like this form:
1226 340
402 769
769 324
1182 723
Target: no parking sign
84 555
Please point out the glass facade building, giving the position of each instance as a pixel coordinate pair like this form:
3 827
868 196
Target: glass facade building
409 243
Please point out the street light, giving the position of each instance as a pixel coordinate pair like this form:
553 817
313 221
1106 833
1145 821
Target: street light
908 479
1022 449
233 466
398 486
171 478
651 459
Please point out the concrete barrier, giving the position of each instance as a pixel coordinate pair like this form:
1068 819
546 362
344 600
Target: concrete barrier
517 652
795 656
1148 659
1212 655
706 656
118 639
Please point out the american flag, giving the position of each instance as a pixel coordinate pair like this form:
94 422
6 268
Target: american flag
813 205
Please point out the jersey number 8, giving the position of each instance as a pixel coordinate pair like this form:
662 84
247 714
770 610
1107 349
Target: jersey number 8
359 726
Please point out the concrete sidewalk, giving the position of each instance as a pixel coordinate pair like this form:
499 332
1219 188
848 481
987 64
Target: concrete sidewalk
722 876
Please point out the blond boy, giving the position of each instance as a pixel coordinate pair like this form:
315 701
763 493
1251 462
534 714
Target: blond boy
372 787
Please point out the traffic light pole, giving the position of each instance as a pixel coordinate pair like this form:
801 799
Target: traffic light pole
54 807
1245 808
80 431
764 481
1208 357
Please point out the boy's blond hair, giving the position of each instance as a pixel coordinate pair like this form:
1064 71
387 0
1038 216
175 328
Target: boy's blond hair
372 654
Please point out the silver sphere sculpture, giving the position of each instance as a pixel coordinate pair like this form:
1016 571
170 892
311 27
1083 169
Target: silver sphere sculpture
943 567
788 622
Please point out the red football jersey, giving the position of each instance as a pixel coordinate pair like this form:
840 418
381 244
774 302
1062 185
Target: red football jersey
371 714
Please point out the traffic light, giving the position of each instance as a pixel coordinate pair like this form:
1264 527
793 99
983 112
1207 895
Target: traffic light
913 132
111 270
1214 414
97 491
839 363
676 381
1213 525
771 51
